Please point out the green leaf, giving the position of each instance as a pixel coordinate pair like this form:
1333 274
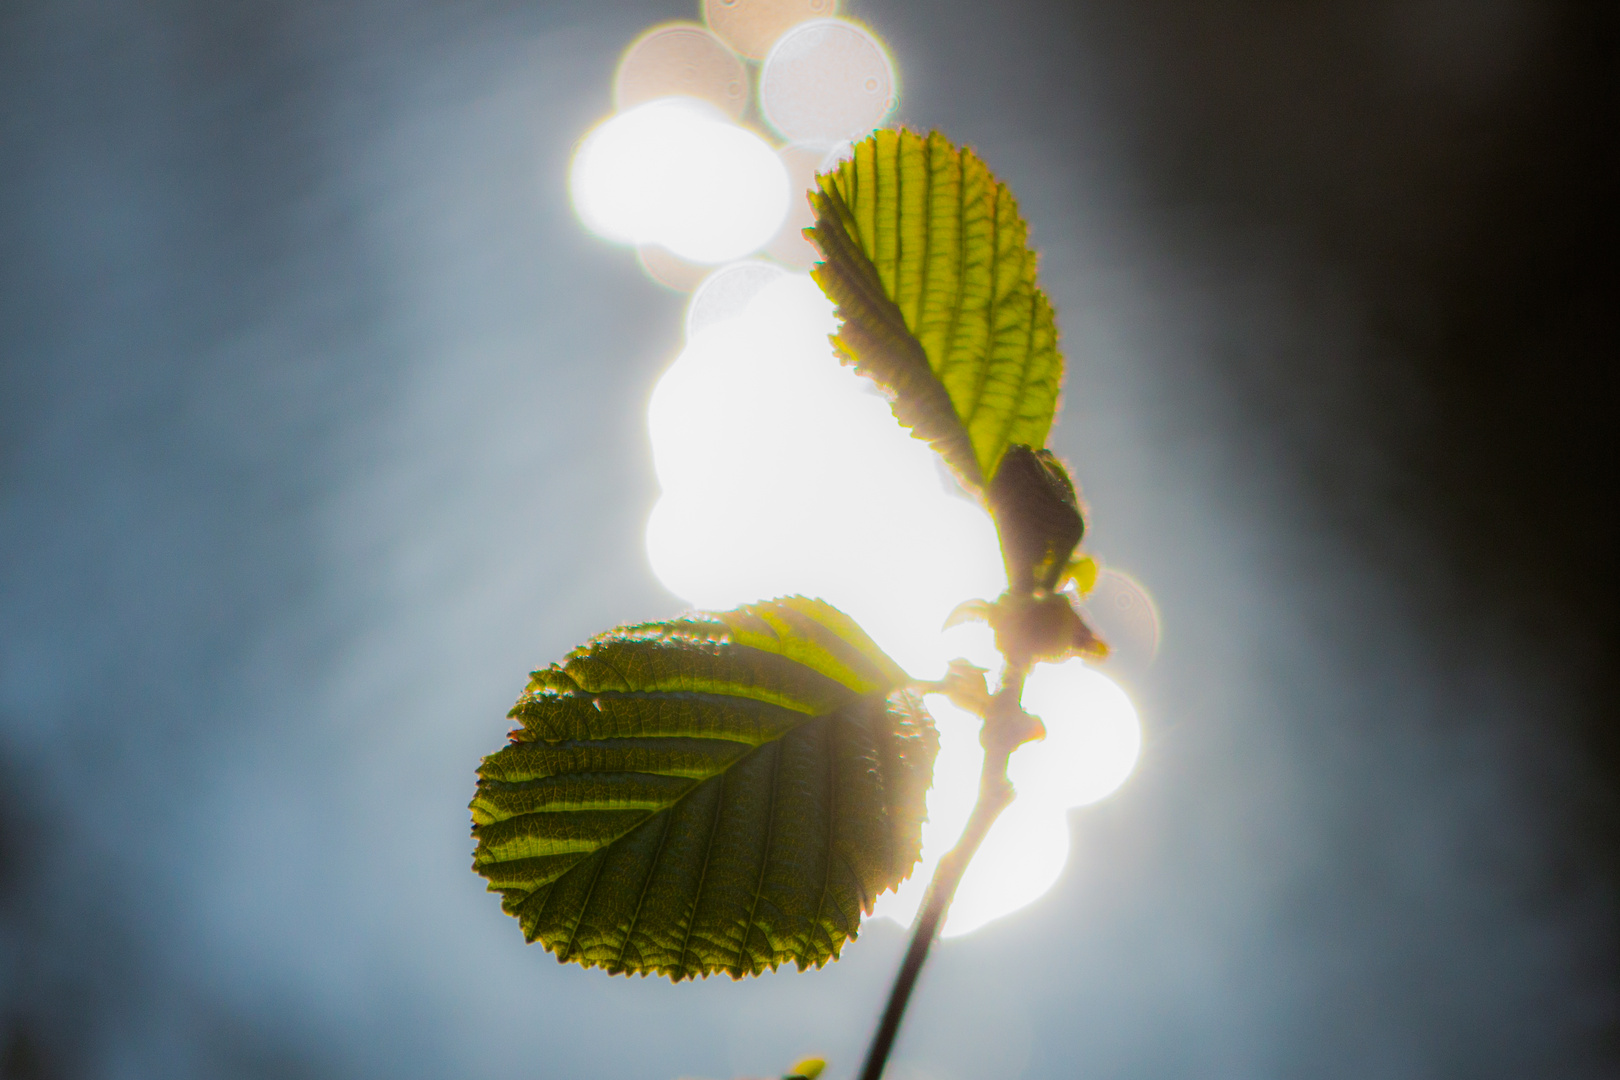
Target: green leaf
714 793
928 260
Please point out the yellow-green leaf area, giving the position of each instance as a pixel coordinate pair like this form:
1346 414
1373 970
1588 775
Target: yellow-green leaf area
928 260
710 793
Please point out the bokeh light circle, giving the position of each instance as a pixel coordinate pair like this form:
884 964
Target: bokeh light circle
1021 858
1093 737
725 294
674 172
752 26
827 80
1092 744
670 270
1123 612
681 59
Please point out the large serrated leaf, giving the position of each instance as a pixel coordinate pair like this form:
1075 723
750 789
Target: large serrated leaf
928 260
715 793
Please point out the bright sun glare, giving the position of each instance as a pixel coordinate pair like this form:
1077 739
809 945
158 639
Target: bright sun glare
783 471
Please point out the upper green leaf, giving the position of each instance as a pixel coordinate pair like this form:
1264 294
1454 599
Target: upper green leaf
928 260
713 793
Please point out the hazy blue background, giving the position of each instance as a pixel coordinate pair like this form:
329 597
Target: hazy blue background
321 422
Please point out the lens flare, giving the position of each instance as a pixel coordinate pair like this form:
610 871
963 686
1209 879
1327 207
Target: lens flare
1124 613
827 80
675 173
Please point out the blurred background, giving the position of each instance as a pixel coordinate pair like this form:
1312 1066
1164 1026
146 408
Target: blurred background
322 421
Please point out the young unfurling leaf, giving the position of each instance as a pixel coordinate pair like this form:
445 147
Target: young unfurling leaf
928 260
714 793
1038 515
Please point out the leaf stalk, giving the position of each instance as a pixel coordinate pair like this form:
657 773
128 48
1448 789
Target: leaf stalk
1006 727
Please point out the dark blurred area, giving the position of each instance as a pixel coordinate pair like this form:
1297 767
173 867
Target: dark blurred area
321 421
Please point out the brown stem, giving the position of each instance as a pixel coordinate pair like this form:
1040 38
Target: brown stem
1006 726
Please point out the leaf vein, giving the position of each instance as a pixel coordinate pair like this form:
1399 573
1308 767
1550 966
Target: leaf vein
573 934
764 858
703 877
646 885
832 831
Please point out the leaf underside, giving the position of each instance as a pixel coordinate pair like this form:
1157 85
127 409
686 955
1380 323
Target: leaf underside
714 793
928 261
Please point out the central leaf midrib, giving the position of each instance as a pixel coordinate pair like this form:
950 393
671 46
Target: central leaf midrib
864 280
697 782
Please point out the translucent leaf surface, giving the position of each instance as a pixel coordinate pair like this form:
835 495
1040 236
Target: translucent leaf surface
715 793
928 260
